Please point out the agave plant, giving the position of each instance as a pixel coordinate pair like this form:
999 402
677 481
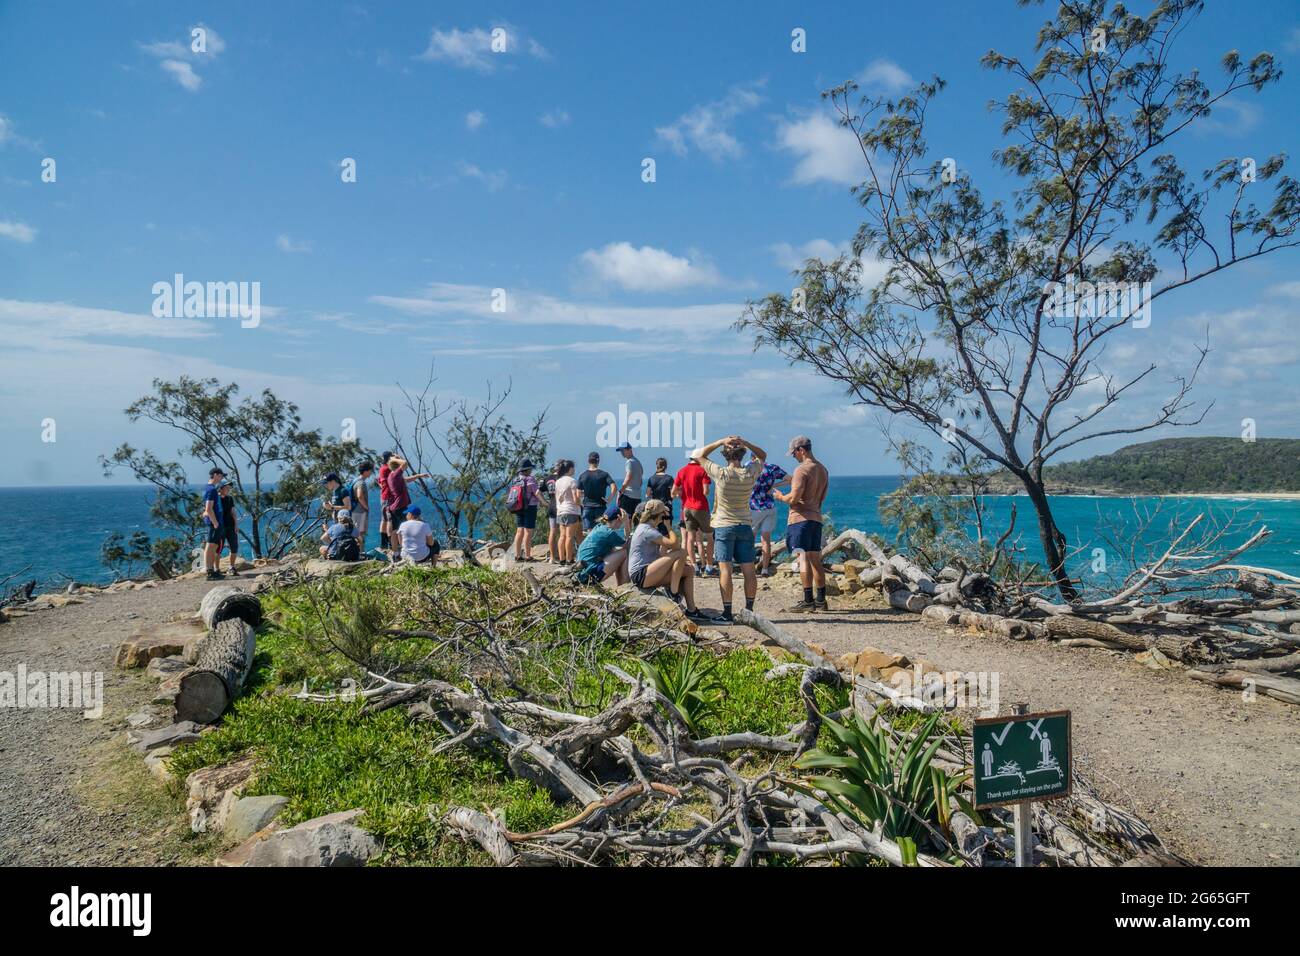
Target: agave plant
688 680
876 781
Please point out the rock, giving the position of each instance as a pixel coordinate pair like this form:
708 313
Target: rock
342 816
165 640
208 786
143 718
59 600
850 584
161 667
320 568
156 763
1155 660
240 854
173 735
327 844
251 814
873 662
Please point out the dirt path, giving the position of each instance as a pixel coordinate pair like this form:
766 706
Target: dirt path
70 790
1216 777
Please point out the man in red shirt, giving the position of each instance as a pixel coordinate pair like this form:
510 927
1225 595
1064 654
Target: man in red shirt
692 486
399 497
385 526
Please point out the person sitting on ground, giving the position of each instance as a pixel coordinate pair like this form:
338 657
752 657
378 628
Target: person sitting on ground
603 553
568 510
416 539
656 560
229 525
762 510
803 530
340 543
524 498
733 532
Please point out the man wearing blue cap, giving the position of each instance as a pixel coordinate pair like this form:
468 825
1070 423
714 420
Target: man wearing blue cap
416 538
629 493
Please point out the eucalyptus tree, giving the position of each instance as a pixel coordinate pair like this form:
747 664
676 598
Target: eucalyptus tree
990 324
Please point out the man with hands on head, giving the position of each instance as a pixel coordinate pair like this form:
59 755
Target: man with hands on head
733 541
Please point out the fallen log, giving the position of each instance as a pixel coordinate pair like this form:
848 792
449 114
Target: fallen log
226 601
786 640
1199 650
223 663
1270 685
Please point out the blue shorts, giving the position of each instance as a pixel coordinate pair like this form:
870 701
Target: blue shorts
733 544
591 517
526 517
803 536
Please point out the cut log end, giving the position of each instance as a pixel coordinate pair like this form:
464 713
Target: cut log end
203 697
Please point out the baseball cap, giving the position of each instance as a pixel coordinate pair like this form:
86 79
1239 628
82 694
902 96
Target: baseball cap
331 477
622 447
798 441
343 513
612 511
213 472
413 511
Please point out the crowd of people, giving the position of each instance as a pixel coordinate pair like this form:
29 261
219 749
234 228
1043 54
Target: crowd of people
660 532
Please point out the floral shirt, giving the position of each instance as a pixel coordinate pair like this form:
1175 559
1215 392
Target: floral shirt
760 499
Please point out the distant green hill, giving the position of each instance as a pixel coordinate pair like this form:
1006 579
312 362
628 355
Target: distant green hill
1179 465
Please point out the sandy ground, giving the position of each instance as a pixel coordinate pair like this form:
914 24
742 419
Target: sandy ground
1218 778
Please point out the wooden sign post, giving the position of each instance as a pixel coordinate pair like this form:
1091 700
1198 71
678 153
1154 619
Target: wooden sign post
1020 759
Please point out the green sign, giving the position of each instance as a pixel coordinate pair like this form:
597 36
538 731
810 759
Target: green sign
1026 757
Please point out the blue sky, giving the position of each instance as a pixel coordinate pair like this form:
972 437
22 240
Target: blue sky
518 171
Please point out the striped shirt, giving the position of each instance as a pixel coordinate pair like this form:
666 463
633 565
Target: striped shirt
734 485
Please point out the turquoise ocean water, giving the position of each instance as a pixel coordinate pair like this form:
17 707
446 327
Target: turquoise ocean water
60 530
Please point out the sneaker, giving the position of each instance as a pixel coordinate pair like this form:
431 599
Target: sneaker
821 607
728 617
699 617
803 607
232 573
215 576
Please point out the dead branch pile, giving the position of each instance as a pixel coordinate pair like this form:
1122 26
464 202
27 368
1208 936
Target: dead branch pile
1222 621
645 790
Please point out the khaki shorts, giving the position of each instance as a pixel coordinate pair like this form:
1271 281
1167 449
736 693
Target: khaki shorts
696 519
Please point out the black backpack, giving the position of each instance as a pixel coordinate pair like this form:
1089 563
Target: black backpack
345 549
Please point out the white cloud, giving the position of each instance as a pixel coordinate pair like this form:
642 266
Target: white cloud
707 127
493 180
554 118
826 150
474 119
180 57
183 73
471 301
61 320
647 269
286 244
885 76
473 49
793 257
19 231
1230 118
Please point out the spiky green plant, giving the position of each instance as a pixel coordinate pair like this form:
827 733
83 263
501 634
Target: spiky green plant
875 780
688 680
